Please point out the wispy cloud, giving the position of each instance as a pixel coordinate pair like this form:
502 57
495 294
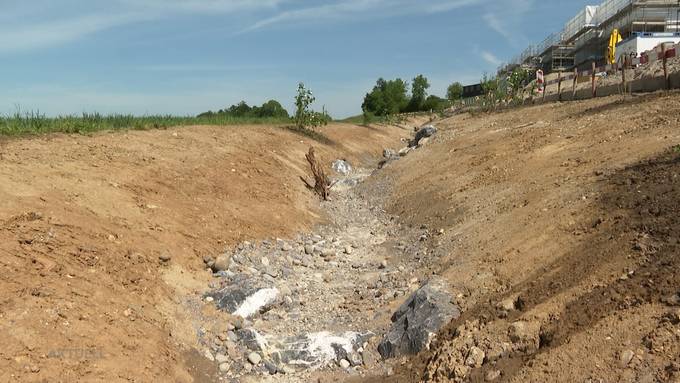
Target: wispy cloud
52 26
352 10
490 58
506 20
45 34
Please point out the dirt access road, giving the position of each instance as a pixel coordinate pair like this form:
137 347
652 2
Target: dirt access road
86 220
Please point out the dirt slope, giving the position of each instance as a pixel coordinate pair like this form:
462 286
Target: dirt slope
85 221
571 211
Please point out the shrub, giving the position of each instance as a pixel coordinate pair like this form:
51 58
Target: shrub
304 116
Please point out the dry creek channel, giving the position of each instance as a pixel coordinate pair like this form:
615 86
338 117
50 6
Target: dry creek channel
353 293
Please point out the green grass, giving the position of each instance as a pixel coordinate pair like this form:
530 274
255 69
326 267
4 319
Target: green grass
676 148
37 123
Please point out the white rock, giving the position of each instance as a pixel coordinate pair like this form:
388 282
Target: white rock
254 358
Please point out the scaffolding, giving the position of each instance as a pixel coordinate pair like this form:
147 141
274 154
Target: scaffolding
584 38
630 17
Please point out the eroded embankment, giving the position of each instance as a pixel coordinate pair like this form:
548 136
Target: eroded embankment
103 235
560 227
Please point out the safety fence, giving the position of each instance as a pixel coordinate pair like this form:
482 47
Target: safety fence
557 83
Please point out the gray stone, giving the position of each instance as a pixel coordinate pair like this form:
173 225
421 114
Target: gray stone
423 314
424 132
271 367
165 257
349 250
221 264
317 349
286 247
344 364
224 367
245 296
309 249
221 358
254 358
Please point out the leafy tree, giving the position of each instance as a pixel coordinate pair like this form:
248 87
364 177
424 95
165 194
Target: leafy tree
272 108
386 98
436 104
418 93
455 91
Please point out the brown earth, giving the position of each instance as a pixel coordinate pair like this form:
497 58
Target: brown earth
86 220
570 210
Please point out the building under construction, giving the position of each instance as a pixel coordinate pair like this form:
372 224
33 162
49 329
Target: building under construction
583 40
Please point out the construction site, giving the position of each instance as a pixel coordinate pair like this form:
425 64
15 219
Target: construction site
584 39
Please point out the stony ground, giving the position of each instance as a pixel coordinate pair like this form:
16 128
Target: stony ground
338 284
192 255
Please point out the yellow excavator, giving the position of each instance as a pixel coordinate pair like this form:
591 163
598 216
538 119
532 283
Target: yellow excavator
614 39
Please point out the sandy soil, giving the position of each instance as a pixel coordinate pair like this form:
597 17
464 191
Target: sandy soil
88 224
570 210
567 210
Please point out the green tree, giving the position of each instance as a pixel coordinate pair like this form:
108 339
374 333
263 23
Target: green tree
272 108
436 104
240 110
418 93
455 91
387 98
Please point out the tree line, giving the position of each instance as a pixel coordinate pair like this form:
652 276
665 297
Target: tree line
391 97
270 109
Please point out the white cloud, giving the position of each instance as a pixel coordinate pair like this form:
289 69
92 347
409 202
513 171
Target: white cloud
506 19
352 10
51 26
200 6
490 58
38 35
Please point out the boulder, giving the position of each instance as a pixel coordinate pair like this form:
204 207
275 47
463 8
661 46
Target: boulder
418 319
313 350
245 296
424 132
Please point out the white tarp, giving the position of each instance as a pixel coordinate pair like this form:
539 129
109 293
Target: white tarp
584 19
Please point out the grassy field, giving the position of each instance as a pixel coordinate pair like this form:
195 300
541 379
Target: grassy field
36 123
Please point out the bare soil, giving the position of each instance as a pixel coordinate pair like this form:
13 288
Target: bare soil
570 210
103 235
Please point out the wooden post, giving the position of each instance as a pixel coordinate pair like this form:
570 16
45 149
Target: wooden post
593 88
559 86
623 75
573 86
666 78
545 90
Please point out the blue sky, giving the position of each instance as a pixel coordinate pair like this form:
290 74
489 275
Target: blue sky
187 56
